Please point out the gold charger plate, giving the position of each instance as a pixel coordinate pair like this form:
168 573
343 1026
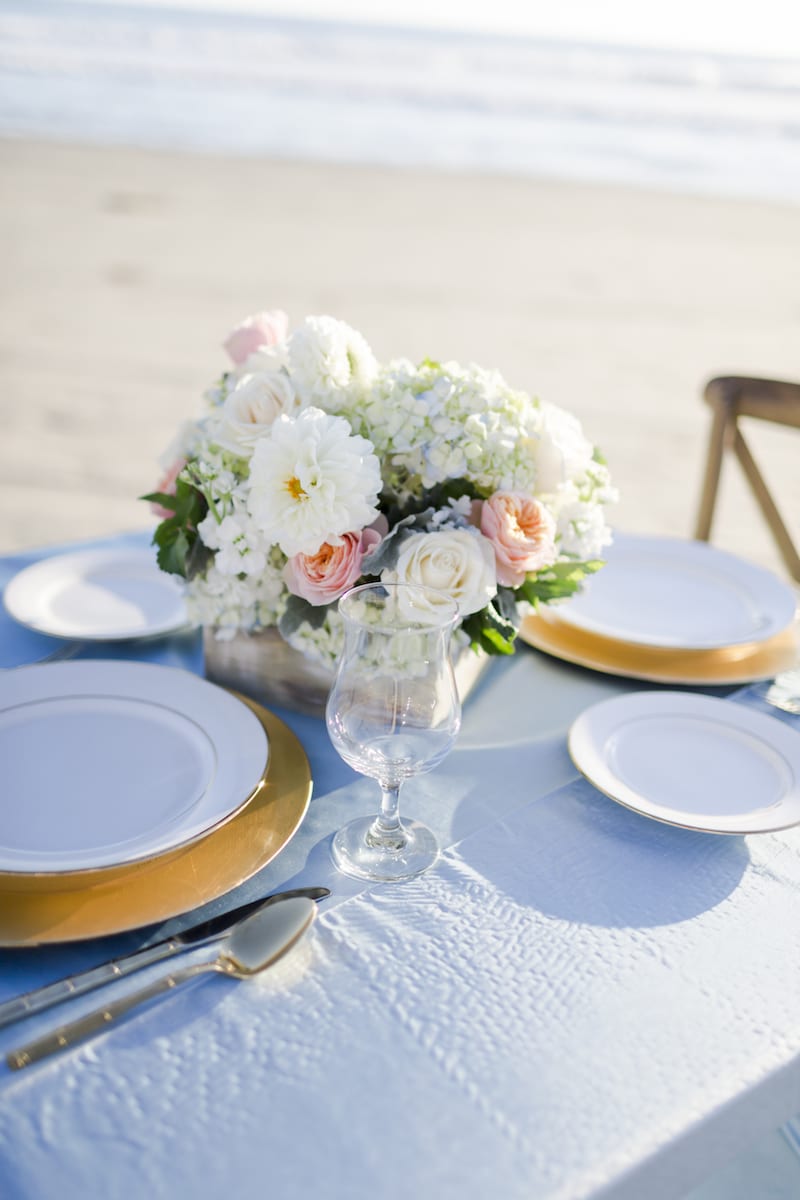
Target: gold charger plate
739 664
126 897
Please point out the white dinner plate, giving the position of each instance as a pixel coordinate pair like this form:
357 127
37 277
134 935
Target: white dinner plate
694 761
105 763
97 595
659 591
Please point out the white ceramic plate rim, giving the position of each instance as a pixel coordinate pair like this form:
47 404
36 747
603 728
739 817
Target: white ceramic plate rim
591 736
773 602
237 738
25 593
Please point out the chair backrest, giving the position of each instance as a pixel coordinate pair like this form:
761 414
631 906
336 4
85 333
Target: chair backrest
731 397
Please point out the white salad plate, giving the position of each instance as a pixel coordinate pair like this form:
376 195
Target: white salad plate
106 763
660 591
694 761
97 595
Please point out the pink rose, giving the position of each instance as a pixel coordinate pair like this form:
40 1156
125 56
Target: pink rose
522 532
261 329
167 485
323 577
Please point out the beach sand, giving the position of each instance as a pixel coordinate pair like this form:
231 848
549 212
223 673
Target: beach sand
124 270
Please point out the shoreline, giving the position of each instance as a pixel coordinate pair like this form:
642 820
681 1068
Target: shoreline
126 268
501 175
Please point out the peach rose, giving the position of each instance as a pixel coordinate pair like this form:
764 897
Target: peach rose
261 329
167 485
522 532
323 577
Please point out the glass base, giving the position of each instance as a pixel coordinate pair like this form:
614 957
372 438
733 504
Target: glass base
357 851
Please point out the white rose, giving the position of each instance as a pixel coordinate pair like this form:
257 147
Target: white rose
563 451
251 409
457 562
265 358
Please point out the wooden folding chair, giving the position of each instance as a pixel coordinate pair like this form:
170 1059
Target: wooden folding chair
731 397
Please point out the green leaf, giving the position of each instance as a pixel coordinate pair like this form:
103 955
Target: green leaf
180 549
505 602
384 556
165 499
490 630
198 556
173 547
299 612
190 504
451 489
557 582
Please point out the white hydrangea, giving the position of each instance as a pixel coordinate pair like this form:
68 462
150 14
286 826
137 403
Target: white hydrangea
328 361
456 514
449 422
322 644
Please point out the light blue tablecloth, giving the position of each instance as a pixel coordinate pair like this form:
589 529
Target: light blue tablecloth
575 1002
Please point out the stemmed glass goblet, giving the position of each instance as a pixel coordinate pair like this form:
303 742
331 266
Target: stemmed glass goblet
393 712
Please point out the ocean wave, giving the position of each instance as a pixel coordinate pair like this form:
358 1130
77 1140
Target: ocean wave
156 76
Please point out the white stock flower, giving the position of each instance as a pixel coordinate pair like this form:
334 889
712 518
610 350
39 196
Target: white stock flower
231 602
311 481
328 359
562 452
251 408
456 562
240 547
582 530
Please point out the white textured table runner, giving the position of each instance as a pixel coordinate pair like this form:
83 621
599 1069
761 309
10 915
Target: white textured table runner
567 1006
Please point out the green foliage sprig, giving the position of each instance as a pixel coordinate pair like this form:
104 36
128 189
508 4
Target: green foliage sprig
180 549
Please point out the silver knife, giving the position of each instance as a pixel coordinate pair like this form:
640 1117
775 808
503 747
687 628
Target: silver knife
202 934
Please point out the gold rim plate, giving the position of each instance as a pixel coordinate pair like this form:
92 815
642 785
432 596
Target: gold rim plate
658 664
627 747
131 896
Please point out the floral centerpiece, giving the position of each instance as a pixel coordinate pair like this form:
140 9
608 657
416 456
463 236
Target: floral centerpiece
314 467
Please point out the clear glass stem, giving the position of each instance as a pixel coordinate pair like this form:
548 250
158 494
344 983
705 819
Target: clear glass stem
386 829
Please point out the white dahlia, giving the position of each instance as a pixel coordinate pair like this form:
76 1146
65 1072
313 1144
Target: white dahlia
328 360
311 481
